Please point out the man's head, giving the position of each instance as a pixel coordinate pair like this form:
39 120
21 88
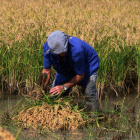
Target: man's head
58 42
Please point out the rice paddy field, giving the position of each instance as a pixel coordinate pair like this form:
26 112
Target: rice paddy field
112 27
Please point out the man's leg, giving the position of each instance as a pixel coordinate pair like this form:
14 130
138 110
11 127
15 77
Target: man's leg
92 102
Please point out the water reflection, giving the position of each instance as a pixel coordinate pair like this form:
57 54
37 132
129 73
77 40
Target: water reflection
9 102
128 101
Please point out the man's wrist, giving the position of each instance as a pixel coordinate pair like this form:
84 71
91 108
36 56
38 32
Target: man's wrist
64 87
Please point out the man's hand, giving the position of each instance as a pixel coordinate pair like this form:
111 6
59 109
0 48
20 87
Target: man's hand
43 81
56 90
48 71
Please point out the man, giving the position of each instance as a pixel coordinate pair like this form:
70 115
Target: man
75 62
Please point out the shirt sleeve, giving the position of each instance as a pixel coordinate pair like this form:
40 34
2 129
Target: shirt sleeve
79 64
47 60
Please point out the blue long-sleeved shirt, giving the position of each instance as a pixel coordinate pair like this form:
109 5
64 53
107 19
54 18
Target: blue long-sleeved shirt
80 57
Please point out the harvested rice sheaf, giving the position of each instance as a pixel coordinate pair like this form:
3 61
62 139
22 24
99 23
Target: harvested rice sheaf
57 117
5 135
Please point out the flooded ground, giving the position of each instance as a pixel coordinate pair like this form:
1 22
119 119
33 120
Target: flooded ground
10 103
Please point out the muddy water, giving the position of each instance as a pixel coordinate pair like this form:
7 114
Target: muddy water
7 104
128 101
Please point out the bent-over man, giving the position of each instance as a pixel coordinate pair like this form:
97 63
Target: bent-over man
75 62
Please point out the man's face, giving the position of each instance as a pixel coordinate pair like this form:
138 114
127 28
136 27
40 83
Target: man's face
62 54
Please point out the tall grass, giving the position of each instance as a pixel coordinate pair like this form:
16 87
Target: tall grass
138 65
89 20
23 62
111 27
117 64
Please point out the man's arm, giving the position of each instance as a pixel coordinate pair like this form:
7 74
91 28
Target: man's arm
48 71
75 80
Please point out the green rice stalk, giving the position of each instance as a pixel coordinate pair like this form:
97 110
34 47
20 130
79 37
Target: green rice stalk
17 135
138 67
